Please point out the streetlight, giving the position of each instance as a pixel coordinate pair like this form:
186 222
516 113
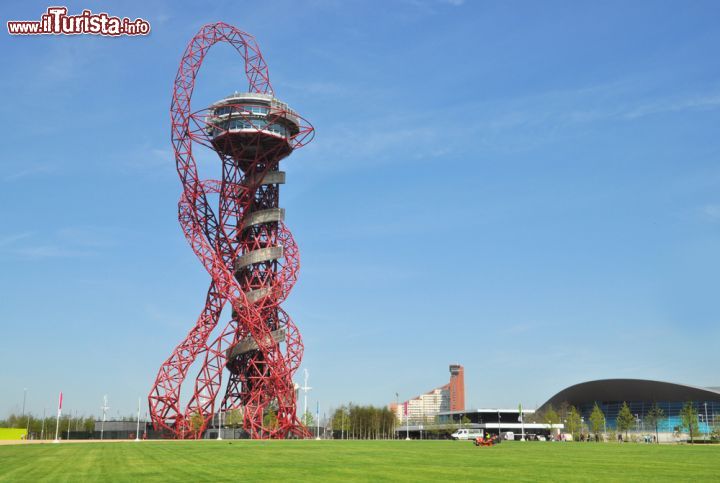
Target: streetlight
604 429
407 420
42 431
342 423
137 429
104 408
27 428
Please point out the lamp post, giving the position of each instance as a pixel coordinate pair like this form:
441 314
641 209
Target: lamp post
42 431
220 425
407 421
27 430
305 389
604 429
137 429
104 408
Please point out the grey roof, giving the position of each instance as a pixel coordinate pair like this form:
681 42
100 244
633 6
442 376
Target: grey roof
631 390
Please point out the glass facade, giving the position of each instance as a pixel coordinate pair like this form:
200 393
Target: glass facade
244 109
254 118
671 409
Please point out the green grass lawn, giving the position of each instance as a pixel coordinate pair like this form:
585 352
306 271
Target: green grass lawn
356 460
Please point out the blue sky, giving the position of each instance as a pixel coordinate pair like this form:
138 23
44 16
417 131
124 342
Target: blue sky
531 189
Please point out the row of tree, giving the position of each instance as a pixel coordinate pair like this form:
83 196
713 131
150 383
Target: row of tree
363 422
571 418
45 428
234 419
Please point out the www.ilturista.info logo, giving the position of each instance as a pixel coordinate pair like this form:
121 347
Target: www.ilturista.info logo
56 21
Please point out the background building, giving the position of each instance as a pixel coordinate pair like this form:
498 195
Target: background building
640 395
427 406
457 387
506 422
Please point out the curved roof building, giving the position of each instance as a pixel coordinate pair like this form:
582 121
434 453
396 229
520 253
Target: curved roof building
640 395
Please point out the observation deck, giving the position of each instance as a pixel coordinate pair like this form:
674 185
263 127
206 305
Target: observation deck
246 125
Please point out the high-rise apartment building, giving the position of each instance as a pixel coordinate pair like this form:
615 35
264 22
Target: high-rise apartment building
425 407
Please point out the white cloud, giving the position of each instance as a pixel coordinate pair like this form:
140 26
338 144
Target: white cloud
69 242
28 171
676 105
711 212
10 239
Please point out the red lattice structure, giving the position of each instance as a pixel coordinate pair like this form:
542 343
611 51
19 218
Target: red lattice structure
243 244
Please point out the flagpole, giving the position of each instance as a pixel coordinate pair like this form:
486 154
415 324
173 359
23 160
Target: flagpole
317 420
57 420
407 422
522 423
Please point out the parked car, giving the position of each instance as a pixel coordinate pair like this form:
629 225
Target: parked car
466 434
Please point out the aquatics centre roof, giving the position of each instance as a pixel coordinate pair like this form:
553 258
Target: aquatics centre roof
609 390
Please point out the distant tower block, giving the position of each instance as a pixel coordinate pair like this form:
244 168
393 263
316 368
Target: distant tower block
457 387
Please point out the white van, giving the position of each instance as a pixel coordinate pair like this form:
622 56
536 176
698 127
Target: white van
467 434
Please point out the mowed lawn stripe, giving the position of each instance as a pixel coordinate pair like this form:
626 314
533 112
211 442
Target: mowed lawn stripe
356 461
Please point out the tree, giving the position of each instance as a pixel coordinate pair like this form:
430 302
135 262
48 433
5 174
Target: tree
88 424
270 419
624 419
233 418
573 422
715 435
689 418
653 418
308 420
196 423
550 417
341 422
363 422
597 421
563 410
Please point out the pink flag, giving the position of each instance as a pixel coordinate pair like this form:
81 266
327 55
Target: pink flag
60 402
405 404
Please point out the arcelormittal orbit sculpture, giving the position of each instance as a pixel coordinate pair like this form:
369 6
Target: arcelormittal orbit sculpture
244 245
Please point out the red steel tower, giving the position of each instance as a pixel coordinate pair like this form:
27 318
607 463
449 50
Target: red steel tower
243 244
